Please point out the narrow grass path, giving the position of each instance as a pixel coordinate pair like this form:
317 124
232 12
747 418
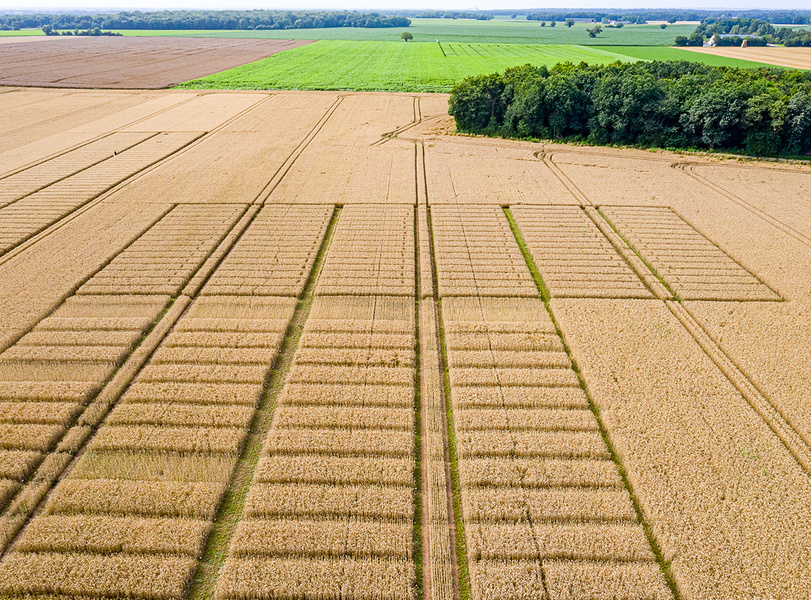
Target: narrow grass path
230 511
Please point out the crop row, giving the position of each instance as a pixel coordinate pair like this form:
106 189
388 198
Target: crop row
574 258
28 181
693 266
32 213
330 512
476 253
540 495
372 252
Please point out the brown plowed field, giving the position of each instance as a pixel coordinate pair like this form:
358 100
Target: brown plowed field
310 345
127 62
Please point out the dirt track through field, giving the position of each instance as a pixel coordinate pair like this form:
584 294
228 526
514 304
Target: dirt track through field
326 350
128 62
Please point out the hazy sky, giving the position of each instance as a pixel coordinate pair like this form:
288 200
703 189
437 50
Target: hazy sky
113 5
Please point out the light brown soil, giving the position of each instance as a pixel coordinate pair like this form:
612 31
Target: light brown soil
128 62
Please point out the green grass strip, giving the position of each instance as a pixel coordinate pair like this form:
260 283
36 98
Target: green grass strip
544 291
462 567
233 503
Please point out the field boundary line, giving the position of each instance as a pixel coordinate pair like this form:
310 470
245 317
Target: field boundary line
84 207
546 158
647 527
90 166
93 139
689 169
72 291
461 573
91 416
421 527
798 446
795 443
204 135
229 512
732 258
291 159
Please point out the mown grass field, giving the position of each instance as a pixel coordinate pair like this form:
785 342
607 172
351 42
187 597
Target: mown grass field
399 66
449 30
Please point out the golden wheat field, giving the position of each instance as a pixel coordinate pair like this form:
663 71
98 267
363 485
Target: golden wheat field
313 345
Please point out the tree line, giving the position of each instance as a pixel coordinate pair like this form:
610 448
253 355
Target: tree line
787 17
671 104
221 19
756 32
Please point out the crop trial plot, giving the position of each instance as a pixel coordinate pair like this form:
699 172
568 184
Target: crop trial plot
309 346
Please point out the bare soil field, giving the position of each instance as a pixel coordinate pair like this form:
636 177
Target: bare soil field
127 62
793 58
313 345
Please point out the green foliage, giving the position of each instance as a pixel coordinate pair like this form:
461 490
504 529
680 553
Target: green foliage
406 36
208 19
764 112
391 65
594 31
569 22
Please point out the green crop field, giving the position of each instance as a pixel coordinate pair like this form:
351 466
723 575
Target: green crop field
393 66
464 30
400 66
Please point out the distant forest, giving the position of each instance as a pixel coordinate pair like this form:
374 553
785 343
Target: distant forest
285 19
220 19
782 17
756 32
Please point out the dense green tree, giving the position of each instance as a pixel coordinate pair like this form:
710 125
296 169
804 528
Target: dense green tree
477 103
667 104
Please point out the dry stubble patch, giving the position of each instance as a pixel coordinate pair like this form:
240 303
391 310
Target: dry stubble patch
506 580
335 470
7 489
329 394
37 412
153 466
367 357
28 436
333 579
493 397
154 577
322 538
534 419
192 393
17 464
107 535
195 500
309 500
203 373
